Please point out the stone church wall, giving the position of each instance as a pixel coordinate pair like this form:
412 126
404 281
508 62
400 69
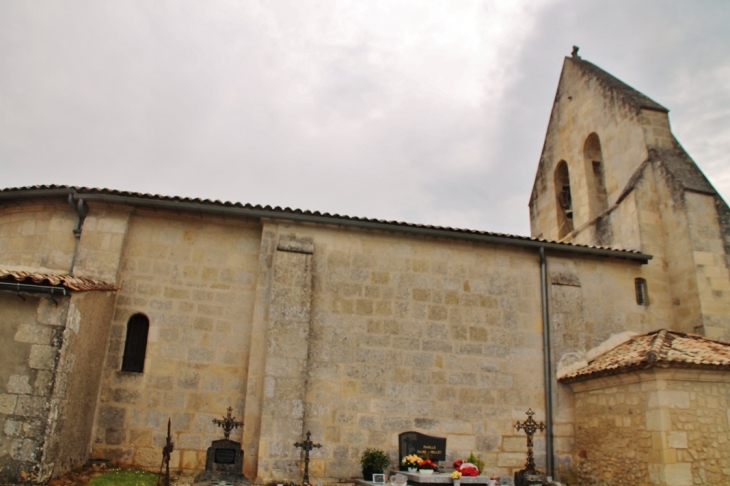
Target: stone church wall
51 352
663 427
433 335
29 339
194 278
37 235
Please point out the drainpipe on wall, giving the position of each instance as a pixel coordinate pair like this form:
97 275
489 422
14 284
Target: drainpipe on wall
547 352
78 206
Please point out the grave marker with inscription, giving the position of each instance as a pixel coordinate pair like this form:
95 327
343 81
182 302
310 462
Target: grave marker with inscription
224 459
425 446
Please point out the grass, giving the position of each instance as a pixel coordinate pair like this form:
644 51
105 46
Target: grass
122 477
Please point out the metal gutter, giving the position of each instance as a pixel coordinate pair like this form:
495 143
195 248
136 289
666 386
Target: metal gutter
33 288
358 223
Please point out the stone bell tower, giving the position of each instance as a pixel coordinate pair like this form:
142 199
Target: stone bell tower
611 173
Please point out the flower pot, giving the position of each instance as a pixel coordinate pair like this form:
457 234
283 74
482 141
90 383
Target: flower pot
367 474
457 482
412 469
426 471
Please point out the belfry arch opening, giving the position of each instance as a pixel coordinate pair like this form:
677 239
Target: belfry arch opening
564 199
593 158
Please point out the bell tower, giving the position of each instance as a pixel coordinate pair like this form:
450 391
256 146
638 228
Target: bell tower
612 174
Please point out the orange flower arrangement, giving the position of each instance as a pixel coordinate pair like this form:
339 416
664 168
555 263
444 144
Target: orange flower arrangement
428 464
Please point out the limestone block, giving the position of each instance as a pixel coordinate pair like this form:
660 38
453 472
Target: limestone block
510 459
13 428
671 399
679 474
31 406
18 384
42 357
34 334
24 450
7 403
677 439
111 417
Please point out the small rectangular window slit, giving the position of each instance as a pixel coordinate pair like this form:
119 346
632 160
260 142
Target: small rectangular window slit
642 294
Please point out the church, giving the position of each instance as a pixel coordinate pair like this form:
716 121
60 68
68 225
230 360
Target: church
122 310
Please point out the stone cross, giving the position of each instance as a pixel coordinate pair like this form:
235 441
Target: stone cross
307 445
530 427
227 423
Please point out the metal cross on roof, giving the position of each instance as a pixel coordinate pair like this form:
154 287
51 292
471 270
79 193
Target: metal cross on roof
227 423
306 446
530 427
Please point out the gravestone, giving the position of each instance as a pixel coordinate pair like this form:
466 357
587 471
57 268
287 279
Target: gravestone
425 446
223 462
224 459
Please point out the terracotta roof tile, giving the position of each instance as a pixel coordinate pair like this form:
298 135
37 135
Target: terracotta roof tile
660 348
70 282
193 204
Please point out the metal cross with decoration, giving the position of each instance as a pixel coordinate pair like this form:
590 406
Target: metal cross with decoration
228 423
306 446
530 427
166 455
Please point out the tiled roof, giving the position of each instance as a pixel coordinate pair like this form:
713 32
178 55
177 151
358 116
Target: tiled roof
66 281
215 206
662 348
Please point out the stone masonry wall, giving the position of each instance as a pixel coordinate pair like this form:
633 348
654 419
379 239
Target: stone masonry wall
77 378
30 338
37 236
664 427
587 306
194 278
285 375
710 265
50 360
443 337
582 107
437 336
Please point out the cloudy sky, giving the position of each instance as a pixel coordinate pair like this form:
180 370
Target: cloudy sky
423 111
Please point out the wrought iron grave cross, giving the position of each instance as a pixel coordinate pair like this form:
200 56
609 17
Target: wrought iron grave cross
306 446
530 427
227 423
166 454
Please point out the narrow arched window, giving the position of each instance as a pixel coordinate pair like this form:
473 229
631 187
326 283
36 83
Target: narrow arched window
593 157
135 345
564 199
642 292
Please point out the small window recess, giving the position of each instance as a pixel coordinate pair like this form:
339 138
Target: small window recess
135 344
642 292
564 199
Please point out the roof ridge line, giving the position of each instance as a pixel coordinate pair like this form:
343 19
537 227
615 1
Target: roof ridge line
656 346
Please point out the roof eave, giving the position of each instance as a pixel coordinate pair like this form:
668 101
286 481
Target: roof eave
307 217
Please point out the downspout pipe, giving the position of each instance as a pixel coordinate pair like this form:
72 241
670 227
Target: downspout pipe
548 367
80 208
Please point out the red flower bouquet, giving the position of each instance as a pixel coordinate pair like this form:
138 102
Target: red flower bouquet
468 469
428 464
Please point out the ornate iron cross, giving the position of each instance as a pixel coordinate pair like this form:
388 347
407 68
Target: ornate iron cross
530 427
167 453
306 446
227 423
